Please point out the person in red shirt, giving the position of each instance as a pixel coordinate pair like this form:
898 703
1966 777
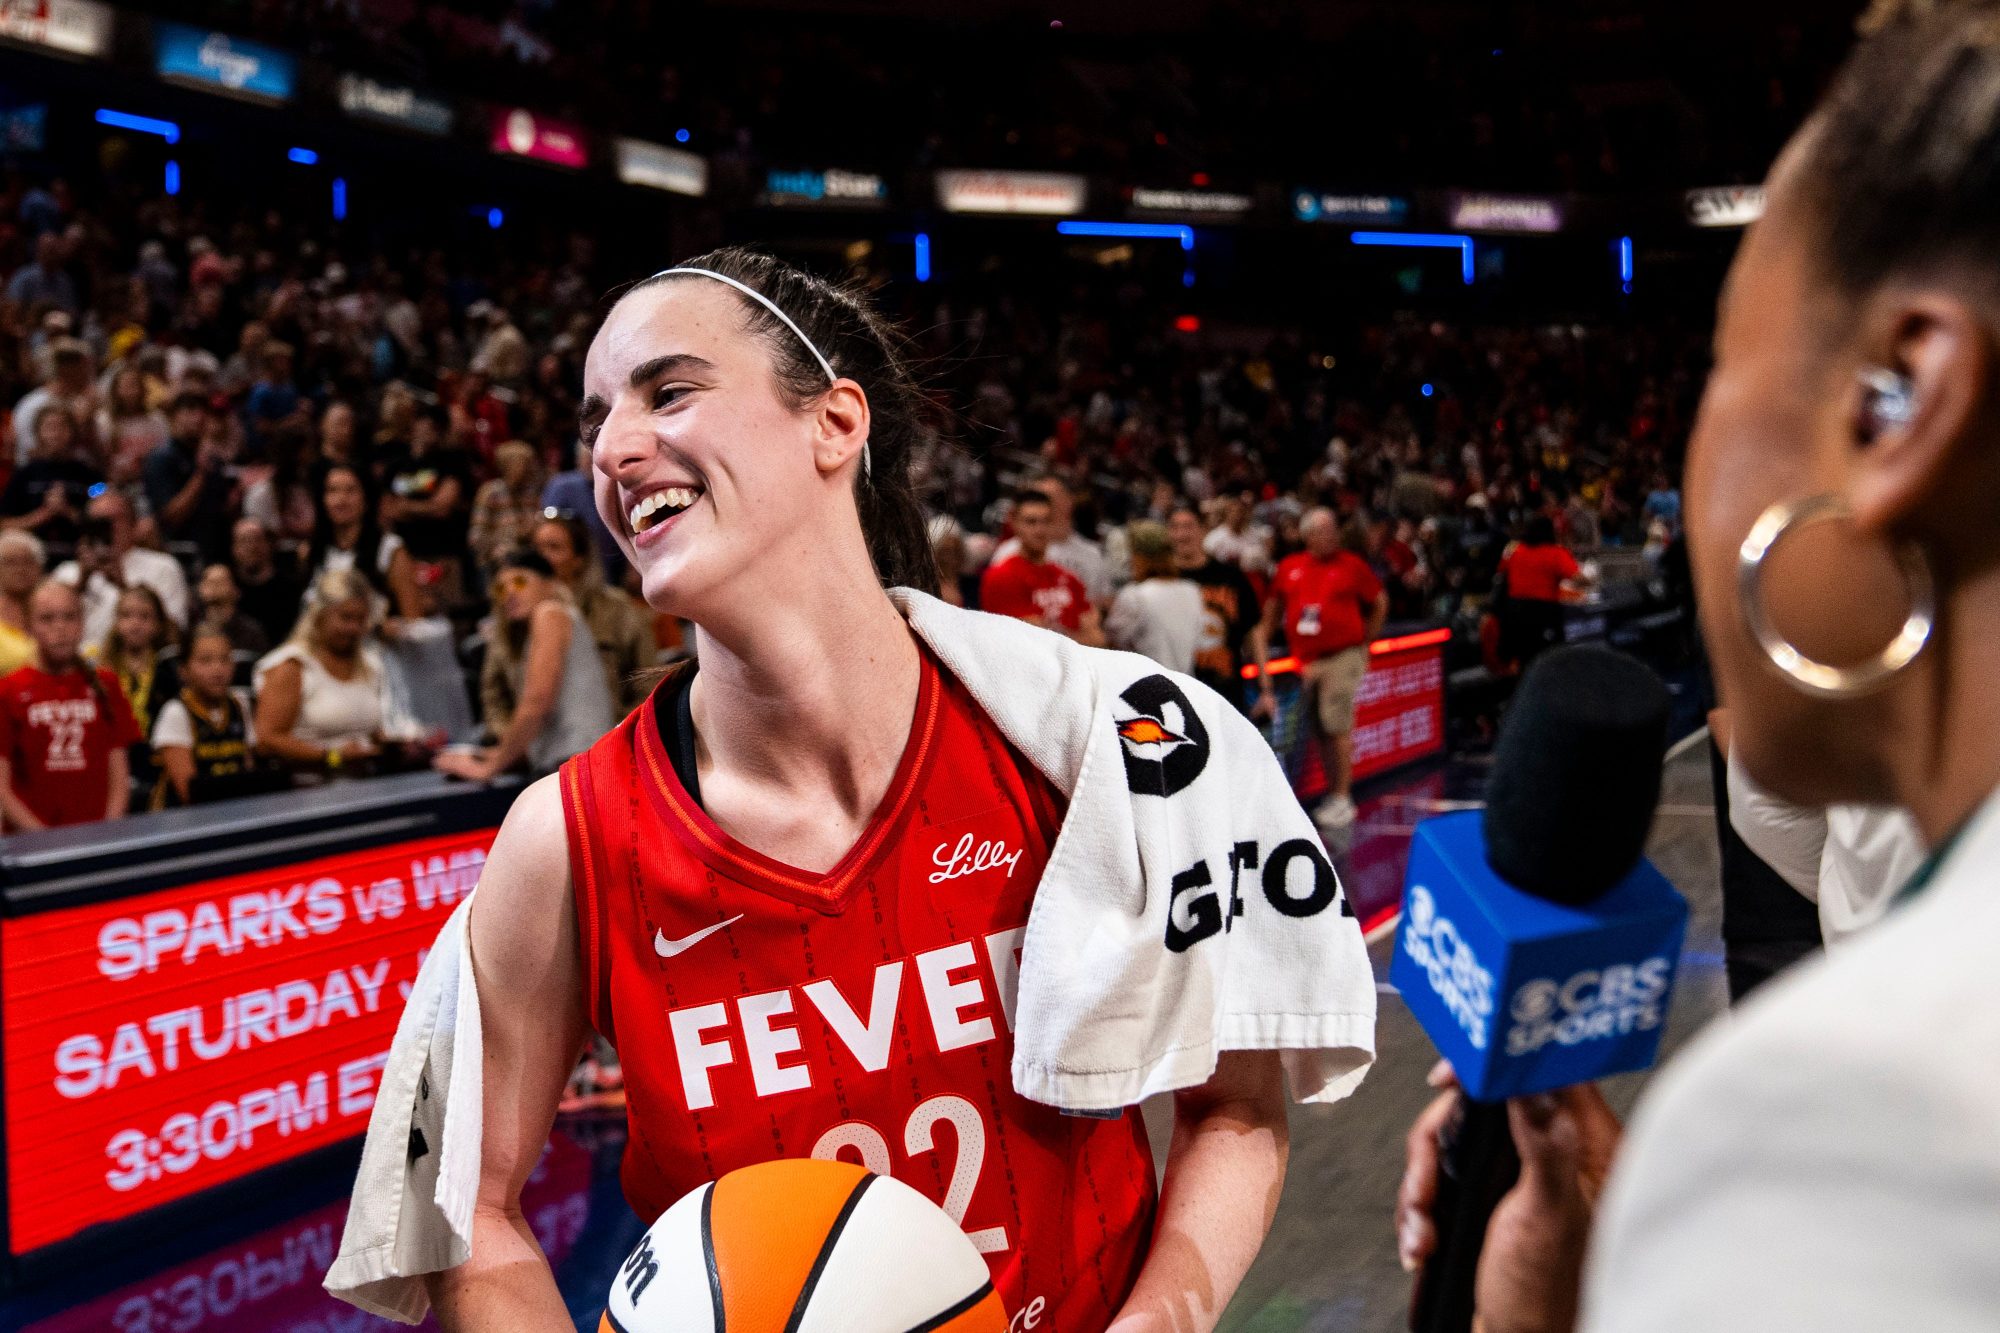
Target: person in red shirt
1030 586
1535 572
787 887
64 726
1331 605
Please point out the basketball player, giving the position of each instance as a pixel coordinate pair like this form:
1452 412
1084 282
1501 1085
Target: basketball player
785 886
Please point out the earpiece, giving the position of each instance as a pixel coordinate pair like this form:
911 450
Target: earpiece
1888 401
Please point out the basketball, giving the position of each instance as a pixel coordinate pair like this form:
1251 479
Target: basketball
804 1246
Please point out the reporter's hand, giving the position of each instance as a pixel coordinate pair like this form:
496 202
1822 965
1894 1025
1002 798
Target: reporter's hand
1531 1268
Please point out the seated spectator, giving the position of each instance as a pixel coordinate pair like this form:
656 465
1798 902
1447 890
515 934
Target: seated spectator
21 564
187 477
64 726
267 585
427 489
44 281
274 398
506 509
569 492
143 653
346 536
107 562
1159 613
620 625
68 386
47 494
948 549
222 610
339 437
323 703
204 741
128 428
281 498
561 703
1028 585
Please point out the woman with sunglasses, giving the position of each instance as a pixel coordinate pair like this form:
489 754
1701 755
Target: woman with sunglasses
546 656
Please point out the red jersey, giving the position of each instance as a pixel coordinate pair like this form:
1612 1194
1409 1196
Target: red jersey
1027 591
57 735
1536 573
1327 602
766 1012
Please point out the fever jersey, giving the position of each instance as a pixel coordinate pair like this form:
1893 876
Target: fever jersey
57 733
1020 588
763 1011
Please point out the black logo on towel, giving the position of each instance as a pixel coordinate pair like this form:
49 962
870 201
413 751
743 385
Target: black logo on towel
1166 746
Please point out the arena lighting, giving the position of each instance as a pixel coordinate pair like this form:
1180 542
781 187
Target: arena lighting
682 136
305 157
173 182
1188 323
1131 230
923 256
125 120
494 218
340 198
1425 638
1625 261
1423 240
1427 390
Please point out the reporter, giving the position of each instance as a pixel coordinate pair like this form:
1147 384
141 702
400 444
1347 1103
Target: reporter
1827 1161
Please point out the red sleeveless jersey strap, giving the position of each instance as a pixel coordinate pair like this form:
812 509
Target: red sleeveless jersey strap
606 767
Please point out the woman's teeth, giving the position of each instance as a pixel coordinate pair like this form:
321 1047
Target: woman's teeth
670 501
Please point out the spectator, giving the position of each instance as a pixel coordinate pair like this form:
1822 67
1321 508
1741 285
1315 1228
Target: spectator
1159 613
428 487
505 511
187 477
1239 541
44 282
1067 549
1029 586
503 350
478 422
205 740
561 702
339 437
569 493
128 427
68 386
948 549
323 704
268 592
620 625
21 565
47 494
282 498
221 610
274 398
107 562
1536 572
64 726
1330 605
1232 617
143 653
346 536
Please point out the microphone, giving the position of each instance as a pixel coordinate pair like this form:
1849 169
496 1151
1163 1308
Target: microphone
1537 947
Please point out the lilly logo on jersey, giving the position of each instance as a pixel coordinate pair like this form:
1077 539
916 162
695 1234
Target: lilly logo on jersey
969 856
1434 944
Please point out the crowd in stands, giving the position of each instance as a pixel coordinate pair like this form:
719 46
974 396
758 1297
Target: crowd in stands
281 509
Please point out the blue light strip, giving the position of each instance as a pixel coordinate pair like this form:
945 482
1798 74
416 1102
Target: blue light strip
1424 240
923 256
305 157
173 182
125 120
340 198
1625 259
1159 231
494 218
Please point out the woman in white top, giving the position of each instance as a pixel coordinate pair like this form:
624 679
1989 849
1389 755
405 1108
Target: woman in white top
349 537
1827 1159
323 702
1158 613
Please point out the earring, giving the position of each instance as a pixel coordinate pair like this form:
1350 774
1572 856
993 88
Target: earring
1820 678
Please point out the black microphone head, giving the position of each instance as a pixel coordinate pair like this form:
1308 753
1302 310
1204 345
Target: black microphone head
1576 774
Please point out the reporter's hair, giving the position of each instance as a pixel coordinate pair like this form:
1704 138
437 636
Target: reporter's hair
862 346
1900 164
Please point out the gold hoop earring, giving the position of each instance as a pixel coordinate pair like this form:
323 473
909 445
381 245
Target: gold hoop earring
1821 678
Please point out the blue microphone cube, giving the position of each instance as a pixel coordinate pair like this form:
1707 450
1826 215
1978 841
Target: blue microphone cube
1524 995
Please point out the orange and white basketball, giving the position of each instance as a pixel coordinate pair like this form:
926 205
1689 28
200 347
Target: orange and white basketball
804 1246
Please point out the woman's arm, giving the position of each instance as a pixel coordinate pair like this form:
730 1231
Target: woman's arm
541 684
527 963
279 697
118 799
19 816
177 762
1225 1171
403 585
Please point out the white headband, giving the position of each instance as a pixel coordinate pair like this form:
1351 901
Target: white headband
867 467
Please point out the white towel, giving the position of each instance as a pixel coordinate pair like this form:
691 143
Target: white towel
1187 909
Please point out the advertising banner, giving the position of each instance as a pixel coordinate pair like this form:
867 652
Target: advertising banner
1725 205
519 132
217 62
160 1044
1399 711
392 104
659 167
830 188
1039 193
73 27
1220 204
1506 212
1356 210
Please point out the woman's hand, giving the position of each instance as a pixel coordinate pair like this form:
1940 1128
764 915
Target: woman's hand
1266 706
1531 1269
472 766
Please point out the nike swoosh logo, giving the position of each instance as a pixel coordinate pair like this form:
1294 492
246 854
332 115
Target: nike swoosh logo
667 948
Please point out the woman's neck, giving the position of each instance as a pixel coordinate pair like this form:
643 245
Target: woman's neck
347 535
57 666
814 690
1944 755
